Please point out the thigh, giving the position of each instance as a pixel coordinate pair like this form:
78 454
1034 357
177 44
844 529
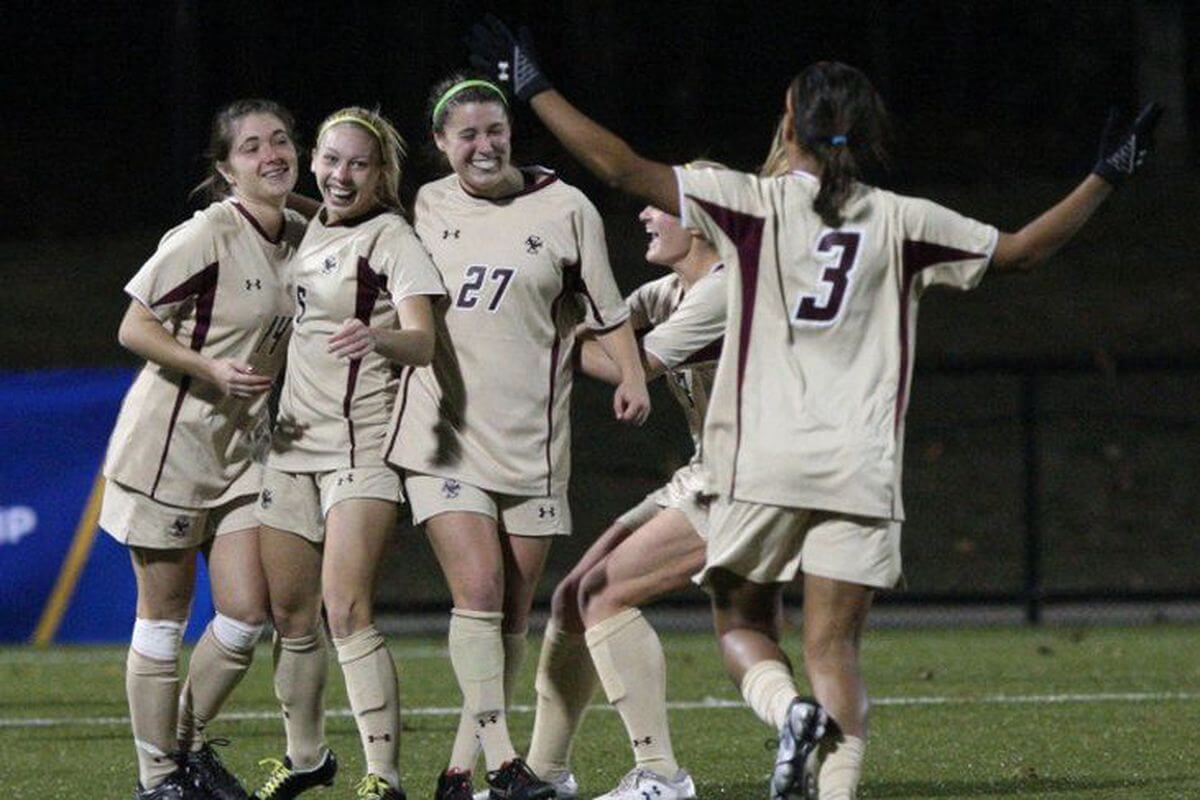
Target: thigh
660 556
741 603
356 534
292 567
834 611
235 572
467 546
165 581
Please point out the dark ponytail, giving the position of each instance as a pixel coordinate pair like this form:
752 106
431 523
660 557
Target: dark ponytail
840 119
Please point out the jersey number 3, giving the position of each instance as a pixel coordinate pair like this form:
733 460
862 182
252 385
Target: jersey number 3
844 246
475 277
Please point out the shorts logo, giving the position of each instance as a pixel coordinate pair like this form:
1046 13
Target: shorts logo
547 511
451 489
180 527
347 478
266 498
256 283
330 265
533 244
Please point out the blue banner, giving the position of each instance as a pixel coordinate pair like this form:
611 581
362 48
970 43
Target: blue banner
60 579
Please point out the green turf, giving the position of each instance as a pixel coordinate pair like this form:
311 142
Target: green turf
977 713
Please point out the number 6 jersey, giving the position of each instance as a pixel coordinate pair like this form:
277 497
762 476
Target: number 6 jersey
493 408
812 387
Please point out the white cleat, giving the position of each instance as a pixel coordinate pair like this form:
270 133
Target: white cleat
794 777
565 788
640 784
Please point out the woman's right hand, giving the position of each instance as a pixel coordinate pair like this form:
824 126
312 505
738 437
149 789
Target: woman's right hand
506 58
237 378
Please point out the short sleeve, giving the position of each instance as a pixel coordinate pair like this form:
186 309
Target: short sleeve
641 306
185 255
409 268
719 202
696 328
604 307
943 247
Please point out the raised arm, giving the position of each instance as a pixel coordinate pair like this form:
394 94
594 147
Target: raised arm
1121 155
507 59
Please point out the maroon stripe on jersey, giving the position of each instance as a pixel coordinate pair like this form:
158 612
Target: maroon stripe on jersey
710 352
276 239
555 308
408 373
914 257
364 303
745 231
351 222
203 286
573 282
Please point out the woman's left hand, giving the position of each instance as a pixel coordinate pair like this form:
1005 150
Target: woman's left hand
631 402
352 341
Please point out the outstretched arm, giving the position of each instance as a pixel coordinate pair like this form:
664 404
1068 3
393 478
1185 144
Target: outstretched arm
512 60
1121 155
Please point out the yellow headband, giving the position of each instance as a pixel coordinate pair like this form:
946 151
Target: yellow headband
458 87
357 121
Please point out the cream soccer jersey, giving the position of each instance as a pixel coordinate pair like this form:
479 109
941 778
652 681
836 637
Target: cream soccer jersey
334 412
685 332
493 408
810 394
221 286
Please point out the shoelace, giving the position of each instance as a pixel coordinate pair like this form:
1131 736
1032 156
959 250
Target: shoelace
279 774
371 786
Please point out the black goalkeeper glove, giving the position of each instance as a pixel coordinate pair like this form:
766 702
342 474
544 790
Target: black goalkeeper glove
507 58
1123 151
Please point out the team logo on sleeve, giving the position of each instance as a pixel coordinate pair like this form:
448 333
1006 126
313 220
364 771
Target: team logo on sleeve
533 244
451 489
330 265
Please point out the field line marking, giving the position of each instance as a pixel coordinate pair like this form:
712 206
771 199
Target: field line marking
72 568
684 705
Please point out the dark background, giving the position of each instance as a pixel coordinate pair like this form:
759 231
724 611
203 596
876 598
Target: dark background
997 107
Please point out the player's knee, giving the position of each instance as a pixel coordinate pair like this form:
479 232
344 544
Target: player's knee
347 612
592 587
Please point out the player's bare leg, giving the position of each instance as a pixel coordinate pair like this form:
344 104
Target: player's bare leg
357 531
165 581
835 615
292 566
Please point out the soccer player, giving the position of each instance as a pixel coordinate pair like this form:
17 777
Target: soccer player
483 434
328 505
211 314
805 430
596 632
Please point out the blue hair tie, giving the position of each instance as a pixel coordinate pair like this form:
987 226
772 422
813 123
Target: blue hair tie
837 140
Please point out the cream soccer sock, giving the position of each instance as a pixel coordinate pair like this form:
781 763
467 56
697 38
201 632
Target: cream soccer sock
477 655
769 689
218 662
841 767
466 746
152 686
629 660
565 683
300 670
372 688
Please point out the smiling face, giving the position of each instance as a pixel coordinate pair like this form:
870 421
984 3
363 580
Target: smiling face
669 241
261 166
477 140
346 162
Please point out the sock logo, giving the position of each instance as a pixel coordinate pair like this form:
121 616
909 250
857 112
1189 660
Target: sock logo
643 742
383 737
489 719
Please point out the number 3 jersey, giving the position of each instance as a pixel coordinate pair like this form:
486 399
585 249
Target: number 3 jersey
220 285
334 412
493 409
812 387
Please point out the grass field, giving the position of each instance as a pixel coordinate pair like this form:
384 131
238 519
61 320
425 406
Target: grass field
977 713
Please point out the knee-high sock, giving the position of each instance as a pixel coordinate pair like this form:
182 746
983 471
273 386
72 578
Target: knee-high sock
301 667
218 662
477 655
841 767
466 745
371 684
565 683
769 689
152 687
629 660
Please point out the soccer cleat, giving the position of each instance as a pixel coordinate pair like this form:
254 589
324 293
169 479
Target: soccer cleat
179 785
455 784
565 787
640 784
284 782
516 781
794 776
211 775
373 787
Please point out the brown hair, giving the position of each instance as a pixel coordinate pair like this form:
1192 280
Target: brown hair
839 118
471 94
220 141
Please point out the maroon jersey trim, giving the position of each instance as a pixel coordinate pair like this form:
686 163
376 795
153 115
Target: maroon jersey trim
745 231
203 286
574 283
555 308
914 257
253 220
404 381
364 303
352 222
532 182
